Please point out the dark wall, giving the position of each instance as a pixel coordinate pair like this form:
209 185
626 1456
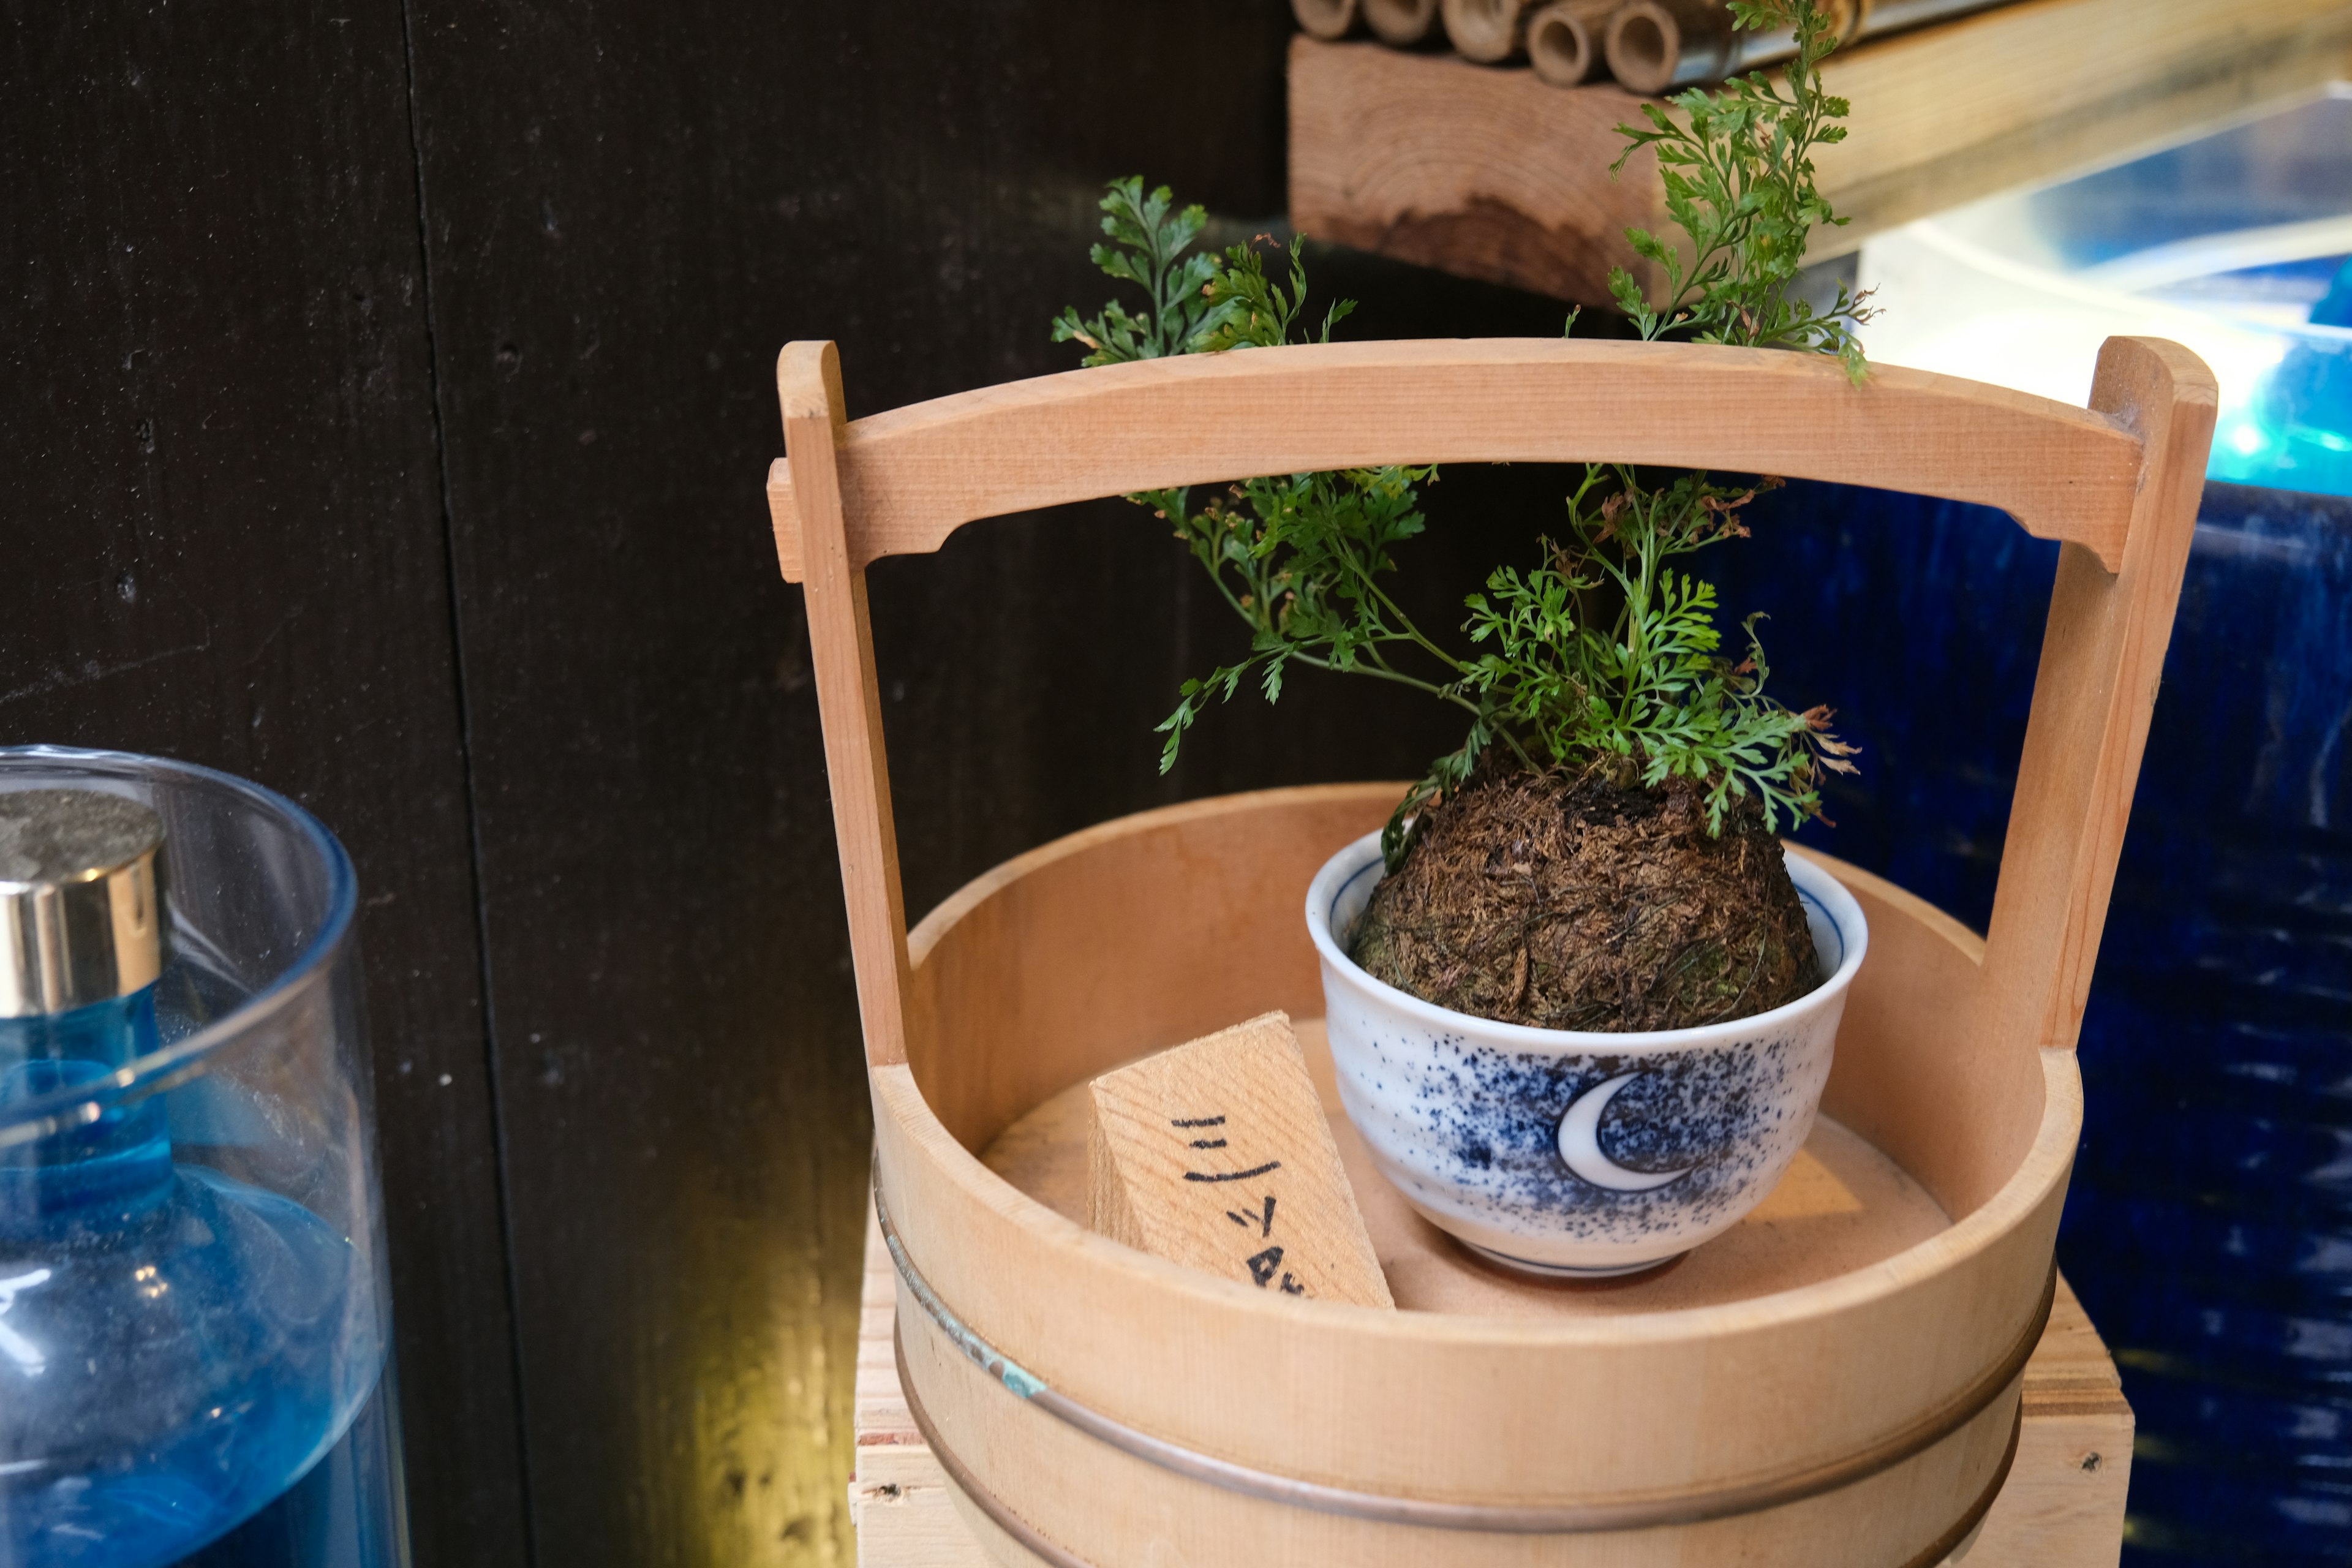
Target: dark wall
390 396
223 542
628 215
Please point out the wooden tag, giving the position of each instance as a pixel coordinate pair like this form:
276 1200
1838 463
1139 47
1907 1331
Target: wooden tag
1216 1154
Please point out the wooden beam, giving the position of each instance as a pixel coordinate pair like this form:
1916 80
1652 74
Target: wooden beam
841 647
911 477
1494 174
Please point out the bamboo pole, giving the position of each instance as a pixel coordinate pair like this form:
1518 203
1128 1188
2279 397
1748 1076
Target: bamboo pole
1657 46
1564 39
1487 31
1401 24
1325 19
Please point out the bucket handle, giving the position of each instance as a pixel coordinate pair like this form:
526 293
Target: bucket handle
2117 484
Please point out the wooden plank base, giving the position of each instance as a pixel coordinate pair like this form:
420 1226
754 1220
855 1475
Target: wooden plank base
1841 1203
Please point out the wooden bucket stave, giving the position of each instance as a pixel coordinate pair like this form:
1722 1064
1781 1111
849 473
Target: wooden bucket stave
1003 1449
1081 1390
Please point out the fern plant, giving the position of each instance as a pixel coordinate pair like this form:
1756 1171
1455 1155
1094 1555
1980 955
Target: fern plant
1603 653
1198 303
1738 172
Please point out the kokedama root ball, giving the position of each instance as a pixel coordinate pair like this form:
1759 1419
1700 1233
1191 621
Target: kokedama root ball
1568 902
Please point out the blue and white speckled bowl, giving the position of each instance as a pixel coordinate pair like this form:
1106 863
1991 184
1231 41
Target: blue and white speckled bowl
1567 1154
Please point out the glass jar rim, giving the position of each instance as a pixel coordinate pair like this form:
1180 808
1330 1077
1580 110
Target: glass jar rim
44 1115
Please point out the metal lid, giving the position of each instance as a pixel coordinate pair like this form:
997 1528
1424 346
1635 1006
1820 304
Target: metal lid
82 899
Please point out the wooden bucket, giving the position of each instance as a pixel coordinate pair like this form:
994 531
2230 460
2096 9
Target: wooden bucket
1771 1401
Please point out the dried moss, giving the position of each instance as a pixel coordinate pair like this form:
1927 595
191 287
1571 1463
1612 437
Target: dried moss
1568 901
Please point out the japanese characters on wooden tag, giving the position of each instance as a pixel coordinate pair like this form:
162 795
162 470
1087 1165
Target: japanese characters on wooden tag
1216 1154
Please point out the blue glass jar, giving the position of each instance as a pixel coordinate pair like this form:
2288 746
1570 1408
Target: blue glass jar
195 1321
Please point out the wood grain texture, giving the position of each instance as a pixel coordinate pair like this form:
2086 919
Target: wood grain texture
911 477
898 1501
2028 93
1216 1154
2092 697
1056 935
841 651
630 209
2061 1506
1496 174
1842 1206
224 544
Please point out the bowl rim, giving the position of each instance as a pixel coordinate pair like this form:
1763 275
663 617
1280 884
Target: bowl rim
1844 910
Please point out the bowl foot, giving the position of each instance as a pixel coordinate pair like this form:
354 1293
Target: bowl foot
1529 1266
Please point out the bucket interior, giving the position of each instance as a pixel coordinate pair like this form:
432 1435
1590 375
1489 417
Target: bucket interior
1155 930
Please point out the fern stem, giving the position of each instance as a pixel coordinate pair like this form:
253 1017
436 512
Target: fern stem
1365 577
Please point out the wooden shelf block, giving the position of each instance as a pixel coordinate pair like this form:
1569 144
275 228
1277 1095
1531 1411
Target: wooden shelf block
1493 174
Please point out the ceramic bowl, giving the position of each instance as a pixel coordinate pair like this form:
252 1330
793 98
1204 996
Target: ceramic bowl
1567 1154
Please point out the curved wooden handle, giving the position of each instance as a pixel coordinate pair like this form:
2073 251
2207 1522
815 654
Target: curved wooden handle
2118 483
913 476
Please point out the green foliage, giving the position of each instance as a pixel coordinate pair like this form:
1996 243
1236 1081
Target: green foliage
1737 169
1150 245
1198 306
1299 558
1603 655
1255 311
1649 689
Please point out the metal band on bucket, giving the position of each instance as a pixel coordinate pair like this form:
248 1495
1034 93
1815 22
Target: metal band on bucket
1001 1514
1558 1519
